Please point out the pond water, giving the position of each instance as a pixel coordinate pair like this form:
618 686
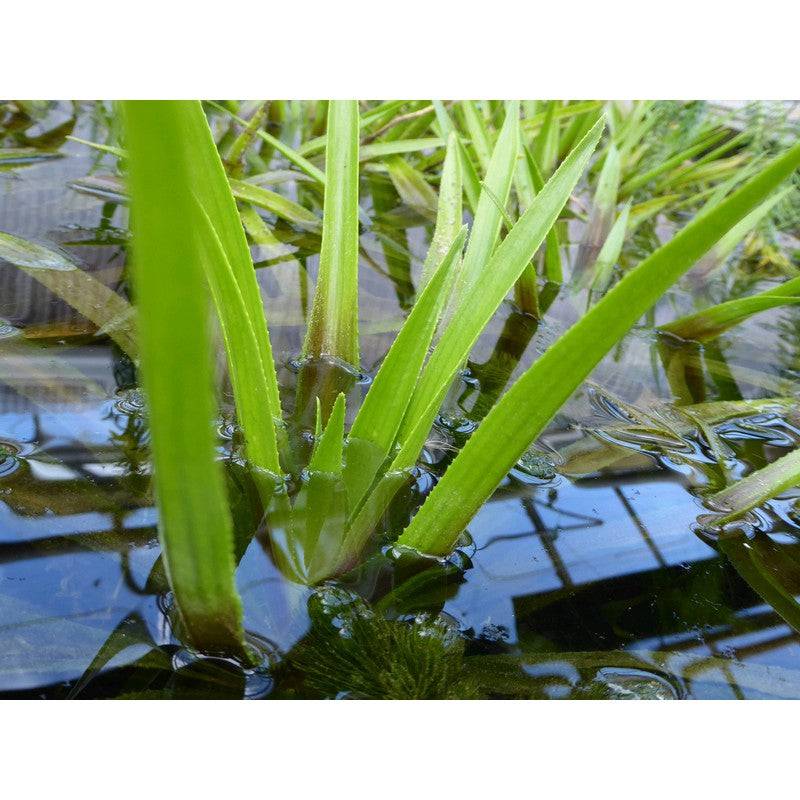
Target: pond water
593 572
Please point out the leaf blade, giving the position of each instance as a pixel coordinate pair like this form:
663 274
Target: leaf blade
178 383
531 402
333 327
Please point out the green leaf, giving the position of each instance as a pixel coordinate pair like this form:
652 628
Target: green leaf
103 148
728 243
609 252
412 187
601 217
327 456
376 116
647 209
289 153
211 189
245 191
705 142
485 229
276 203
530 404
105 308
681 173
545 148
562 112
379 417
319 512
710 322
449 210
472 183
757 488
194 523
392 148
553 269
24 155
333 327
605 196
234 157
244 360
228 267
482 299
479 136
260 234
578 127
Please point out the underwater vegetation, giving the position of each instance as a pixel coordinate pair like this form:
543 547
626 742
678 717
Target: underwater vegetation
358 457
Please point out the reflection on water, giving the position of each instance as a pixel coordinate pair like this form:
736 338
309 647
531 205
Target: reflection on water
586 575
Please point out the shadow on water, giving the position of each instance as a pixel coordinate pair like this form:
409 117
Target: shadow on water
589 573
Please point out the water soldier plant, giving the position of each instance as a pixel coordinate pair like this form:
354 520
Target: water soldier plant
189 249
362 456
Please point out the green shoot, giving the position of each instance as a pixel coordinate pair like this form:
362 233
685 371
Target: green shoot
610 251
488 217
483 298
333 327
472 183
449 210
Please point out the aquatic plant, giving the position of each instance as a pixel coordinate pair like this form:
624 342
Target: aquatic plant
399 409
515 166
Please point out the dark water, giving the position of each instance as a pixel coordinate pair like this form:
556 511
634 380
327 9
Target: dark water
587 574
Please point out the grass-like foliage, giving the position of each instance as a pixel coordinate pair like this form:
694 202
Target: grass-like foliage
515 167
530 404
195 524
333 329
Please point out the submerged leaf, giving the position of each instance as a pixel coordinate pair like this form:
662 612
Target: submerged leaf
110 312
412 187
770 570
757 488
